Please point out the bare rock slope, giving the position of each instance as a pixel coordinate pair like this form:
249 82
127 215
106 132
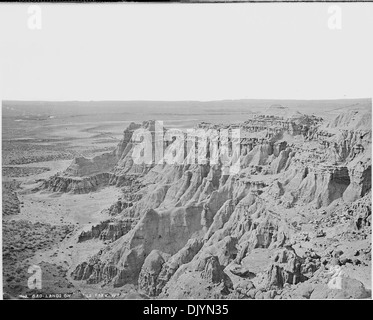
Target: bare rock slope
296 217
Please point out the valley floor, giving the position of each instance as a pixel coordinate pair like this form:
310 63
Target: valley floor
43 227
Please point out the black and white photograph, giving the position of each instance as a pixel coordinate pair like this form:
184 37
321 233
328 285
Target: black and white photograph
179 151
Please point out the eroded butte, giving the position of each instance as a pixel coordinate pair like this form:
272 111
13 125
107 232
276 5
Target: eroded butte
294 222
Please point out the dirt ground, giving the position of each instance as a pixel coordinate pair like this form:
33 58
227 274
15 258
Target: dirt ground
41 228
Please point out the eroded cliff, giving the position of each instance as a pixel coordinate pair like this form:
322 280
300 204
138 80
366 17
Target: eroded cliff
302 194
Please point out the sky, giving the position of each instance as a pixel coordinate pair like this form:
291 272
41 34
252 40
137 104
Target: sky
186 52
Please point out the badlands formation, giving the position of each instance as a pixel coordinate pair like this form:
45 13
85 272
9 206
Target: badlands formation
294 222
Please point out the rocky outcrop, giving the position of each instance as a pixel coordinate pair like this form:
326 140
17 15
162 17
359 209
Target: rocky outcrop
221 217
183 256
76 185
289 268
347 288
211 270
199 230
168 231
82 166
207 278
108 230
360 174
119 206
150 272
320 186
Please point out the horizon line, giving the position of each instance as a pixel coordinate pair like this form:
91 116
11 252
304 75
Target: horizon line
200 101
